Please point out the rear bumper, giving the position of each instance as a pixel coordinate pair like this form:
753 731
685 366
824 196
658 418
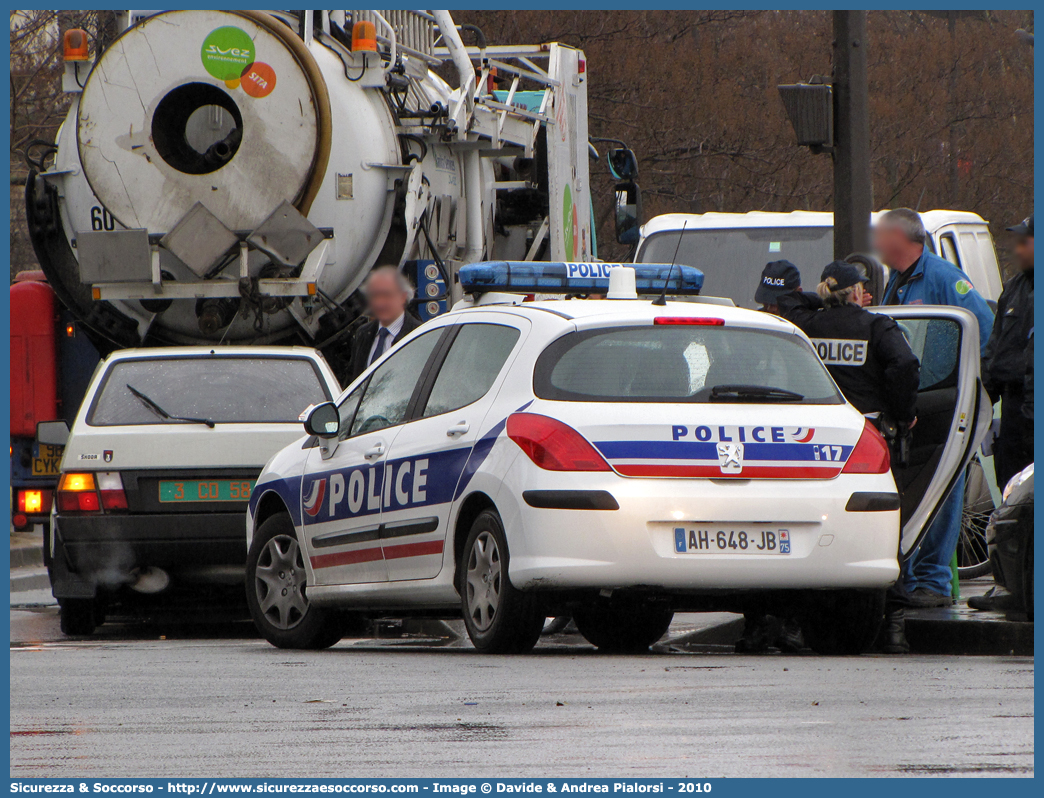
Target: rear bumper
635 546
105 550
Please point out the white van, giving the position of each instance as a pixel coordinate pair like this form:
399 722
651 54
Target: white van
732 248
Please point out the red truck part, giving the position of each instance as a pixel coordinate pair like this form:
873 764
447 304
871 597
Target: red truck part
34 357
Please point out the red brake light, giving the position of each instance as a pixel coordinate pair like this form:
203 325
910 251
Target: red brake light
78 502
871 455
702 321
91 493
552 445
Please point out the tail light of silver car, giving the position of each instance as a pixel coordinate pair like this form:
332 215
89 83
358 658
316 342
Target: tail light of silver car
91 492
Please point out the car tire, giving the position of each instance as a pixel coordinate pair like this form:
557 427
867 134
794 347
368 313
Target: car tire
276 591
843 622
623 628
499 618
78 617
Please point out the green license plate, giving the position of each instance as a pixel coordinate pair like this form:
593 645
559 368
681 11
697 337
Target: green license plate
205 490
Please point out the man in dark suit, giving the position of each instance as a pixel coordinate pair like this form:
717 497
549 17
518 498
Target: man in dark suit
388 293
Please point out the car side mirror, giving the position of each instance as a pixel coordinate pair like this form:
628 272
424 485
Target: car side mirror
53 433
323 420
628 212
623 165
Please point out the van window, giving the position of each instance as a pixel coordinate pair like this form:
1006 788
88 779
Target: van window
949 249
732 259
972 264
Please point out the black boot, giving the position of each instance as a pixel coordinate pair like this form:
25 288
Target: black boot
997 599
892 638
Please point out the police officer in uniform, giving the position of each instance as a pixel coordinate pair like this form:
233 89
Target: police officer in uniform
777 278
866 353
1007 374
1005 363
871 361
762 631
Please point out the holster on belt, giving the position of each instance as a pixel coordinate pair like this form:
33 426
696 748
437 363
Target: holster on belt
898 437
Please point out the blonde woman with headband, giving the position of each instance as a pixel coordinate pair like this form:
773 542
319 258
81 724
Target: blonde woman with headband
871 362
866 353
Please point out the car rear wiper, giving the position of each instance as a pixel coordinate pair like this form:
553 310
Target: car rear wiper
755 393
159 411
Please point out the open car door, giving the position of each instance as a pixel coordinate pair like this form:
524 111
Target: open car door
953 410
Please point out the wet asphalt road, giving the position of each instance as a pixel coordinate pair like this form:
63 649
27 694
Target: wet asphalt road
215 702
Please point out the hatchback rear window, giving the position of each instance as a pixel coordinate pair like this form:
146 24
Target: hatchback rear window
219 389
683 363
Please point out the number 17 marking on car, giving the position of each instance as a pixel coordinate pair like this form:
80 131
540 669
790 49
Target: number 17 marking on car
827 452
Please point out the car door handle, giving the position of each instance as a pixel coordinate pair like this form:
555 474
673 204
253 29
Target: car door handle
460 428
374 451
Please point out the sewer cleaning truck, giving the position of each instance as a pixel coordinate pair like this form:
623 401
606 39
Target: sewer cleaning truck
233 176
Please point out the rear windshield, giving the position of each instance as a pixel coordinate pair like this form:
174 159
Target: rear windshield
683 363
218 389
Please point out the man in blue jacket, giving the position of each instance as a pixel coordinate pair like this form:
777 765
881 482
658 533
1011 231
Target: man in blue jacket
919 277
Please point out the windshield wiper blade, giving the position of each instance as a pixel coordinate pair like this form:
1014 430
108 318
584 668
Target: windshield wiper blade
159 411
741 393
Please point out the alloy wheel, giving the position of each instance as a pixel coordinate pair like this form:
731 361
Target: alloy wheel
483 581
279 579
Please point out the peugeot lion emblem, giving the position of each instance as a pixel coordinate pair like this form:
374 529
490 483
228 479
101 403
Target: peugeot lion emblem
730 457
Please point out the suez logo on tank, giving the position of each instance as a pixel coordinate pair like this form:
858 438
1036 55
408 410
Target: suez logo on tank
228 54
395 485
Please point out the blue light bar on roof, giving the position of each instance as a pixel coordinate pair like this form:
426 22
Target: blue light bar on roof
530 277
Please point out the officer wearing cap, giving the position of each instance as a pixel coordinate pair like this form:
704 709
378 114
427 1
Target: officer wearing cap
866 353
1005 365
872 363
777 278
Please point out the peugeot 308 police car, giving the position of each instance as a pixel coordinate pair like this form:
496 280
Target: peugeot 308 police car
617 460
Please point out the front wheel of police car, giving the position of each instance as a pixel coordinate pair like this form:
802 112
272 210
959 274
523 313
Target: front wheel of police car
499 618
276 591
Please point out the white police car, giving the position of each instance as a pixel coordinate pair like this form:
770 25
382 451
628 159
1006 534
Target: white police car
615 460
